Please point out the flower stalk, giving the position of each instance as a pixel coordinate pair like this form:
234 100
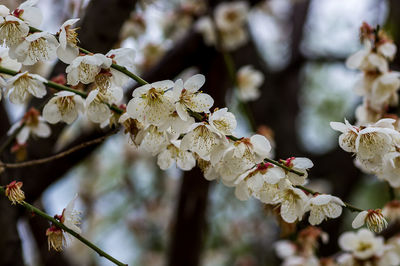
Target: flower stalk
44 215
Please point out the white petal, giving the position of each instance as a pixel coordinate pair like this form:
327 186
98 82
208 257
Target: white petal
359 220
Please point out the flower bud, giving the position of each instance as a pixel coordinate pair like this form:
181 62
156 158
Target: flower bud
14 192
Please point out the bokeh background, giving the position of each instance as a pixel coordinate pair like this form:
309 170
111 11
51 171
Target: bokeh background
145 216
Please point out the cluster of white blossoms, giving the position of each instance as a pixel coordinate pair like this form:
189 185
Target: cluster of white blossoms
378 84
172 120
359 248
365 248
228 27
24 46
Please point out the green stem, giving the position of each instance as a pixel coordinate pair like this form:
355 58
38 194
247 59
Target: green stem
37 211
124 70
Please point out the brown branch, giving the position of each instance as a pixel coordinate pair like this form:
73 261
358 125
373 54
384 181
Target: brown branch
57 156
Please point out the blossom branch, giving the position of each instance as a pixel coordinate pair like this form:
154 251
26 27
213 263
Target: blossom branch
39 212
57 156
121 69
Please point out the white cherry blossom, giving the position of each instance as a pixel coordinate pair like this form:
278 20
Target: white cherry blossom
12 30
152 140
85 68
123 57
70 217
184 159
322 207
385 88
150 104
243 155
223 121
22 85
64 106
186 95
202 139
37 47
68 49
292 201
362 245
299 164
29 13
96 102
387 49
367 60
347 140
230 15
249 81
33 124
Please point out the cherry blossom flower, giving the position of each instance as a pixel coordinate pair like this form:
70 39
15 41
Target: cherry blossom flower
65 106
152 140
391 169
230 15
373 218
70 217
249 80
184 159
261 183
298 164
322 207
37 47
203 139
243 155
68 49
123 57
362 245
292 201
367 60
150 104
12 30
186 95
223 121
22 85
14 192
29 13
85 68
347 140
97 101
33 123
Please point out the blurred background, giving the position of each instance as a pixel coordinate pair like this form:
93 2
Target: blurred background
145 216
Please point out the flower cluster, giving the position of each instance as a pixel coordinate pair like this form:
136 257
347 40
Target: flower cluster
172 120
303 250
375 145
229 26
378 84
365 248
360 248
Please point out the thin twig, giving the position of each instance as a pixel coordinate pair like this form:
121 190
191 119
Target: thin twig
39 212
56 156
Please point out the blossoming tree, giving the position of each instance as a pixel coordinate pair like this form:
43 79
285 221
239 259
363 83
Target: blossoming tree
184 123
